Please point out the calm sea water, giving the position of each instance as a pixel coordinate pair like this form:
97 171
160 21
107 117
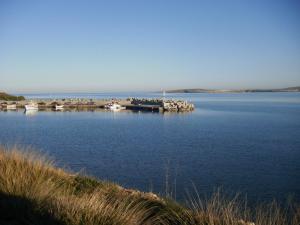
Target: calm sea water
248 143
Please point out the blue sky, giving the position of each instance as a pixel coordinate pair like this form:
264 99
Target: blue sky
59 45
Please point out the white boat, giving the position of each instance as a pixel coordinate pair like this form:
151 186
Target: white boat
59 107
114 106
12 106
32 106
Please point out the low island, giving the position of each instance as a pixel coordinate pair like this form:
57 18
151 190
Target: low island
200 90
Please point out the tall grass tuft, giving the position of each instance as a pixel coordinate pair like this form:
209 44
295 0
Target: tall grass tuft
33 191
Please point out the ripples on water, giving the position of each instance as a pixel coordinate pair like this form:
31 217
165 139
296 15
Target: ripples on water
241 142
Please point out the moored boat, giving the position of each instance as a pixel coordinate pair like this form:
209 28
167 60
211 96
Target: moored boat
11 106
31 106
114 106
59 107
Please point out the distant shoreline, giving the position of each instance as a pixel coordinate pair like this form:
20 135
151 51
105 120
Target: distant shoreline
199 90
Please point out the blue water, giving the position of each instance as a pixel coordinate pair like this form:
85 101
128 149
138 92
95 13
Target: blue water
248 143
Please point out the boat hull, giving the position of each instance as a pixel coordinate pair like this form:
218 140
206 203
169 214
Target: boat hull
59 107
31 107
114 107
12 107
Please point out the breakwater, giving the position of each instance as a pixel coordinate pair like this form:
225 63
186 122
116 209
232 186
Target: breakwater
155 105
165 104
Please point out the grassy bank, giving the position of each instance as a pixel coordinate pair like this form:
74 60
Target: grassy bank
7 97
34 191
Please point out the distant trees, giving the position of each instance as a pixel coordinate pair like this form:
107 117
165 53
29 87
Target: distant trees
7 97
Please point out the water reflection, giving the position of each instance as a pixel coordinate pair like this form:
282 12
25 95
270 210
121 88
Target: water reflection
244 145
30 112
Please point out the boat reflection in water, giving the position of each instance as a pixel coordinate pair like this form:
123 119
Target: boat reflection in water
30 112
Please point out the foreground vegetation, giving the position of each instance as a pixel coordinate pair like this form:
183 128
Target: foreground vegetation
7 97
34 191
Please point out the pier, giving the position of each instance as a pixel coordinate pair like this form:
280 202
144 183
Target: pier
136 104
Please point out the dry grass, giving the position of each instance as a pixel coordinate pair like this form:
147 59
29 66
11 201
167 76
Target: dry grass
234 211
34 191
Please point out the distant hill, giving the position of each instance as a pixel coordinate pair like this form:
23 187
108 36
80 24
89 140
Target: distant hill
199 90
7 97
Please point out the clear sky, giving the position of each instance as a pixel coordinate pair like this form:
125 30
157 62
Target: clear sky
60 45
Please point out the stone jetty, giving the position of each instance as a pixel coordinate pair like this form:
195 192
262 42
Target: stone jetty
140 104
178 106
165 104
